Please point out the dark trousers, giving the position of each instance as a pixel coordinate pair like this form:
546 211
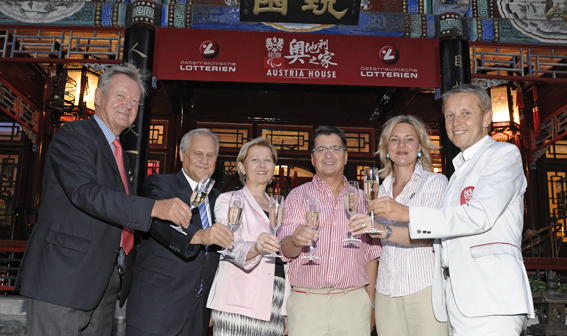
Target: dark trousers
47 319
196 324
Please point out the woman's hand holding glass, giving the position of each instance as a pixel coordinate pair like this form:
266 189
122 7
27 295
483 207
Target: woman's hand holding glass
359 223
267 243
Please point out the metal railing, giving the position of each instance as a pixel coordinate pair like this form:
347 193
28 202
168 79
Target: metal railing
518 62
534 242
11 253
55 45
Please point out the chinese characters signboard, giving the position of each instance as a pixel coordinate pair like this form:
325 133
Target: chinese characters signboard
266 57
301 11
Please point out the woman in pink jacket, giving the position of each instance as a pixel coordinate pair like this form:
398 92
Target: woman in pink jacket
248 291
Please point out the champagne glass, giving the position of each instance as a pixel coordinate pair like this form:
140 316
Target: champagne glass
312 213
371 184
351 204
276 217
197 197
234 213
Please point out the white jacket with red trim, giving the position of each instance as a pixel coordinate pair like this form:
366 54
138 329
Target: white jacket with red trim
482 234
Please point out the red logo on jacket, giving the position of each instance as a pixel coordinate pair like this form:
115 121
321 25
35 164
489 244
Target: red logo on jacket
466 195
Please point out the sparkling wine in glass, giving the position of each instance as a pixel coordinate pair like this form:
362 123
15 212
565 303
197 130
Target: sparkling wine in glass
351 204
371 184
197 197
276 217
312 214
233 219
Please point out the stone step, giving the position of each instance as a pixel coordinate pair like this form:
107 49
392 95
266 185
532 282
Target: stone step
12 315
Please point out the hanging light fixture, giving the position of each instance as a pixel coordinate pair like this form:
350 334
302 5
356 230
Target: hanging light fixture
505 113
71 93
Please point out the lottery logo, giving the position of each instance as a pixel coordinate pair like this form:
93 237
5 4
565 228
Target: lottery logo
389 55
209 49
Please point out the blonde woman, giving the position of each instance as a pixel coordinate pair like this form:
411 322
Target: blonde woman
405 274
248 291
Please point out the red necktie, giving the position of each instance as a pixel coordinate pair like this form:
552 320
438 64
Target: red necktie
127 240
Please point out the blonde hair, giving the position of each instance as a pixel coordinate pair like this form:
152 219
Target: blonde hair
484 101
424 141
244 153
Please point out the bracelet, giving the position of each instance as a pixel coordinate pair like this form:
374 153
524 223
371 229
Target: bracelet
373 305
388 229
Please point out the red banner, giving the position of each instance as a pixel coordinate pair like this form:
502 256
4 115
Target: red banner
242 56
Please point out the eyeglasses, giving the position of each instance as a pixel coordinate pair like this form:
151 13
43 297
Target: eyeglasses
332 149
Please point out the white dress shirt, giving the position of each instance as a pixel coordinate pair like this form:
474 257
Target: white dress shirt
405 270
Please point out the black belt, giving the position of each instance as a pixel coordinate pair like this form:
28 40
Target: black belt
446 272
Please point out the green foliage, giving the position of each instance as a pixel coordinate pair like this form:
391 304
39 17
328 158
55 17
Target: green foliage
537 285
563 288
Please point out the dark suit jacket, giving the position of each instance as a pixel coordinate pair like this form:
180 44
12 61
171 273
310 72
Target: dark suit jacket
169 269
73 248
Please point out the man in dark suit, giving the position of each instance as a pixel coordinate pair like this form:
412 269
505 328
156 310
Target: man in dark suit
79 252
174 272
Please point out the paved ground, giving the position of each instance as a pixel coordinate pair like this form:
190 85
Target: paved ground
13 317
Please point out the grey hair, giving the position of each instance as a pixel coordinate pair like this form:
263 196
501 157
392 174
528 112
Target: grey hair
484 101
127 69
186 140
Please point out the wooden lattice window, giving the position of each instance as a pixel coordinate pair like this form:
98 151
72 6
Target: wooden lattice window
557 189
158 133
10 131
156 162
287 138
436 158
9 163
231 136
360 141
557 150
360 173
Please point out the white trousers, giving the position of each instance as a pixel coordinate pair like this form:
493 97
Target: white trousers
494 325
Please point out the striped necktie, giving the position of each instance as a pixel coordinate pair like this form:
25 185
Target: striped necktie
205 224
203 215
204 219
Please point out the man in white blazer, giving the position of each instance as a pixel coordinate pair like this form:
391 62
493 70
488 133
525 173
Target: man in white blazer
480 284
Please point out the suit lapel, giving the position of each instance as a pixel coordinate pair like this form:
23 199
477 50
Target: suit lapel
107 151
252 201
185 190
103 144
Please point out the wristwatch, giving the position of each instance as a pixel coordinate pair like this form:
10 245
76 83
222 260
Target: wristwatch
373 305
388 229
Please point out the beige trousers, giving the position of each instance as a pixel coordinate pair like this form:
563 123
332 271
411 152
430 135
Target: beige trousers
410 315
344 314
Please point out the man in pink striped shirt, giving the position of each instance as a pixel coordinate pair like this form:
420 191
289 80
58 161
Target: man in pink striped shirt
333 295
